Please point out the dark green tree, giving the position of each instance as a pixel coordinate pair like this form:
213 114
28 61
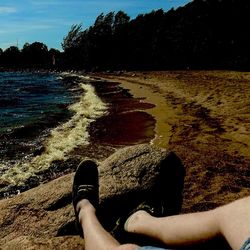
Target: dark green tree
203 34
120 40
1 57
35 54
11 57
72 40
100 41
71 45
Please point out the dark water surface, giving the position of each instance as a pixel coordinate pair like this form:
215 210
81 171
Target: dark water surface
42 135
30 103
27 98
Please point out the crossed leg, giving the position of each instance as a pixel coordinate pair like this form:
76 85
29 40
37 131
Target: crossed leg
96 237
231 221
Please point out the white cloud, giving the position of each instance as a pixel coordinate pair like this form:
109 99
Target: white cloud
17 29
7 10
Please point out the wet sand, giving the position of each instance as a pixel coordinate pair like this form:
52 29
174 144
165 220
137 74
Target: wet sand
126 122
204 116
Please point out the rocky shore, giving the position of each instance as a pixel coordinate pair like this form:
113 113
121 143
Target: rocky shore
204 119
43 217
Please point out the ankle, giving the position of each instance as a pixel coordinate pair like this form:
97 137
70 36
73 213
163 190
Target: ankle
135 221
84 207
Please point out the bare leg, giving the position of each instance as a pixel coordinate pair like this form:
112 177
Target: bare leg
232 221
179 230
96 237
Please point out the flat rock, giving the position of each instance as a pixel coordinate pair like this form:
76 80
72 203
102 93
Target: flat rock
43 217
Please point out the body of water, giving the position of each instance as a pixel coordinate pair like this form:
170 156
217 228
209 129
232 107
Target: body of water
28 98
49 121
43 117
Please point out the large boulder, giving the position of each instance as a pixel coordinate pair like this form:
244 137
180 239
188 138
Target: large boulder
43 217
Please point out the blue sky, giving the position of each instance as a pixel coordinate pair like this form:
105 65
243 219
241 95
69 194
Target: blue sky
48 21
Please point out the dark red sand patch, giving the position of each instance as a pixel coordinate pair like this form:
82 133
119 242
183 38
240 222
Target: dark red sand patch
126 123
123 129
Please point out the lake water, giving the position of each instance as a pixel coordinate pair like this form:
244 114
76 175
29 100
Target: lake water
49 121
43 117
27 98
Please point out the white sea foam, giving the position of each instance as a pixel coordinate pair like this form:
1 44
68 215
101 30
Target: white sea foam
64 138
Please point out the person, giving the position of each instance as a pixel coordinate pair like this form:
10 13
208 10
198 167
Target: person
231 221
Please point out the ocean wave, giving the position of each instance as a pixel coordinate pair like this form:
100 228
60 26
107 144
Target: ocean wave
64 138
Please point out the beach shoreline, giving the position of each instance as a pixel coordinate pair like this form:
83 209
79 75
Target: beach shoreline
104 117
207 123
203 116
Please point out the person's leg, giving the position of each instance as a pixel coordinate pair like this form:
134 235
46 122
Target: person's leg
178 230
85 195
96 237
232 221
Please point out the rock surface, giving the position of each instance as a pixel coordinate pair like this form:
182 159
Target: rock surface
43 217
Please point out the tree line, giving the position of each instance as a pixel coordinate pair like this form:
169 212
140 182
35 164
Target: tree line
35 55
204 34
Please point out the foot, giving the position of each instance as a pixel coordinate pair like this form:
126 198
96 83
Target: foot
85 188
123 223
133 222
84 208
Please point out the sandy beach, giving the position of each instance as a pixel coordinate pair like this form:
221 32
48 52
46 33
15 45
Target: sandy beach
204 116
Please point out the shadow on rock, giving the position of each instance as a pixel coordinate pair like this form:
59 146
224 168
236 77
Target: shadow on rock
134 175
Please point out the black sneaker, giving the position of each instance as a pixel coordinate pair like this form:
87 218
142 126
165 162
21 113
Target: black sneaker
85 186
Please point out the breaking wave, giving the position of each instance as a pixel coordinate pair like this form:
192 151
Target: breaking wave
64 138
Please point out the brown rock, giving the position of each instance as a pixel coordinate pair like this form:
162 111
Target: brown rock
43 217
